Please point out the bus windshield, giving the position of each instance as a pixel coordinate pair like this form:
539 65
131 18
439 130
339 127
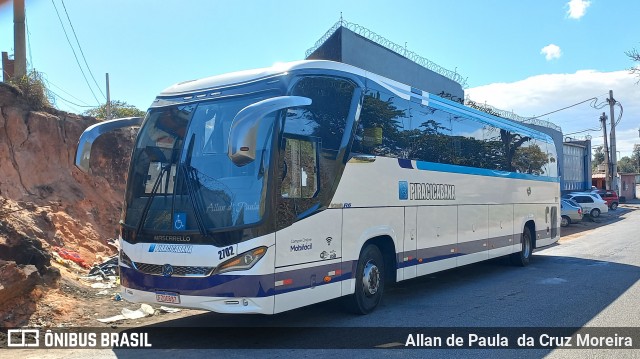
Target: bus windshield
182 178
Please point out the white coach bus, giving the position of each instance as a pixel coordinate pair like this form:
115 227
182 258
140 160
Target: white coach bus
267 190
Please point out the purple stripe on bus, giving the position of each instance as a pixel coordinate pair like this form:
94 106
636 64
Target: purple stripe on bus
404 163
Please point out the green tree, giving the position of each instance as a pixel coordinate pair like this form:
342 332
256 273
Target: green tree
626 165
598 157
118 109
635 157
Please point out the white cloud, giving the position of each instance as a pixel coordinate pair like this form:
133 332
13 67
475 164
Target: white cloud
577 8
551 52
542 94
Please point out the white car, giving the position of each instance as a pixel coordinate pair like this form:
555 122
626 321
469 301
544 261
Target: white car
595 195
589 203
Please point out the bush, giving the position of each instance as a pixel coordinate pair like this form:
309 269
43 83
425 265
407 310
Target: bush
33 89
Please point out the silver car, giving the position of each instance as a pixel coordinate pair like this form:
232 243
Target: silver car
571 212
590 204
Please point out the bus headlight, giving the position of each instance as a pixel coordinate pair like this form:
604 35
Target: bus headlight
242 261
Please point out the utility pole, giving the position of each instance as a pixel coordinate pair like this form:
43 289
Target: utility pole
614 160
108 99
19 42
607 178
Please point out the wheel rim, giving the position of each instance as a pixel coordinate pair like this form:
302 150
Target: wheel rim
614 206
564 222
595 212
370 279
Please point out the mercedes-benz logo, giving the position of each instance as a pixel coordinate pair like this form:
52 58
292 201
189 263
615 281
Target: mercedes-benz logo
167 270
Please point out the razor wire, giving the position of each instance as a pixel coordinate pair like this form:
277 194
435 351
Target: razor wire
510 115
399 49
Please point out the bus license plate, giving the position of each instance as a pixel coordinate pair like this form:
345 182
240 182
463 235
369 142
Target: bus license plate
168 297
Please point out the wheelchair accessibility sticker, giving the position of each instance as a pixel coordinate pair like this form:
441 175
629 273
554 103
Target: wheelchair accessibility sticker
179 221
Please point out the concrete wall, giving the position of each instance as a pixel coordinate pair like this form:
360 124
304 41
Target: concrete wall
350 48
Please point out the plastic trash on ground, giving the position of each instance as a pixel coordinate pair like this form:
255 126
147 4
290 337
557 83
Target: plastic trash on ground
145 311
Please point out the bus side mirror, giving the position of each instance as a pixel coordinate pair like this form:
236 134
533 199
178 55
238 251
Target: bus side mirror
83 151
244 129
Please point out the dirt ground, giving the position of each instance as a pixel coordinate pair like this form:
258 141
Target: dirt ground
76 304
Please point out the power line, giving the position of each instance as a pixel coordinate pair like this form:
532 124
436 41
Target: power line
26 22
61 89
74 52
81 52
594 104
67 101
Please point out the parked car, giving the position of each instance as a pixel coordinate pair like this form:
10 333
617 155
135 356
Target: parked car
589 203
609 196
571 212
593 194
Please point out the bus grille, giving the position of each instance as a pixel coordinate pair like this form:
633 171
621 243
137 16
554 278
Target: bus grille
178 271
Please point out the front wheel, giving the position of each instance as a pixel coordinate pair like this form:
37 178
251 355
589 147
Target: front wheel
614 205
369 281
565 221
523 257
595 213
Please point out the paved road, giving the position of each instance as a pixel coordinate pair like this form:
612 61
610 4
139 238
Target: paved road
587 280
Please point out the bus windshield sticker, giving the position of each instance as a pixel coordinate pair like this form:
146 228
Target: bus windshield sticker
179 221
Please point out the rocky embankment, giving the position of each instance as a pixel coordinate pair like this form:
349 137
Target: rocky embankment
46 203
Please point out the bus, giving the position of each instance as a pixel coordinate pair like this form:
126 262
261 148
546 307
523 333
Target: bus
267 190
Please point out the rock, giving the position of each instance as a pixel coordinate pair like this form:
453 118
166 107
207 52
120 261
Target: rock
16 281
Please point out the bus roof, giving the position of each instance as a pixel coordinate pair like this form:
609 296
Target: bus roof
402 90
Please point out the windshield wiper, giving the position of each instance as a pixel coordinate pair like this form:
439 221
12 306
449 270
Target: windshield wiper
152 194
189 175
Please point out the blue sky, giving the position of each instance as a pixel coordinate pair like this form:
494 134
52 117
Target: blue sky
528 56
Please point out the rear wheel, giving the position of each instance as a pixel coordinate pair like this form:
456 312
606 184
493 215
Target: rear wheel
369 281
565 221
595 213
614 205
523 257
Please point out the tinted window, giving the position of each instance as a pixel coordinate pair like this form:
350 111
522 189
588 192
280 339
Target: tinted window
326 117
583 199
430 134
384 128
468 142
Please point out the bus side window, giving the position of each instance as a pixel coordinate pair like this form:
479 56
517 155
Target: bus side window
300 174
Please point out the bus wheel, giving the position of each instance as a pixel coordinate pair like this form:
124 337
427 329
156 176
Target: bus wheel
522 258
369 281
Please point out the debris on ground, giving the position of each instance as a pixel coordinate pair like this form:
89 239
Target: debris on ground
71 255
105 269
145 311
100 285
169 310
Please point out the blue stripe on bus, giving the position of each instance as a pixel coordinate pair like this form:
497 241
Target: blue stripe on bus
441 167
